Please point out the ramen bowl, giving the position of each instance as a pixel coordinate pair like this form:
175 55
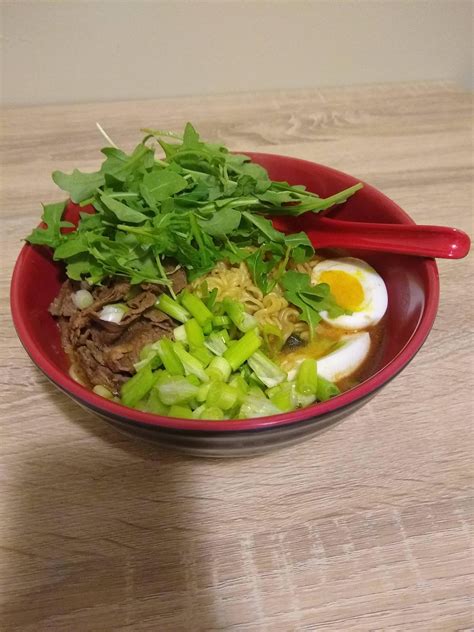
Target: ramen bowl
413 290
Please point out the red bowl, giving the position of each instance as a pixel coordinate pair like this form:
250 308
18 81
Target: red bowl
413 291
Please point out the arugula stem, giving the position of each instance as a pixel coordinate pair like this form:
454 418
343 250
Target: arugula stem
166 281
235 202
195 231
132 229
121 195
282 265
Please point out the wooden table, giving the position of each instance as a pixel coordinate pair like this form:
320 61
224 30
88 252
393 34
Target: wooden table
363 528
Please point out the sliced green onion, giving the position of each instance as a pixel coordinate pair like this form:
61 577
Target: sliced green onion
175 390
82 299
222 395
183 412
219 369
223 335
179 334
196 308
113 313
254 380
197 411
192 379
194 333
283 396
237 354
245 373
221 321
193 403
236 312
256 406
142 405
171 362
326 389
215 344
266 370
307 378
155 405
302 400
202 354
172 308
256 391
102 391
212 412
148 355
207 328
202 392
241 385
192 366
135 389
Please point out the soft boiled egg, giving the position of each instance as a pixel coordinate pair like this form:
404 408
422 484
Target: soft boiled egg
348 355
356 287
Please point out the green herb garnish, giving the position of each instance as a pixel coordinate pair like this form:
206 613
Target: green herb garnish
198 205
311 299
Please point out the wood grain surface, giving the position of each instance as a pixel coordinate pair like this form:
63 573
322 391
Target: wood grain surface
366 527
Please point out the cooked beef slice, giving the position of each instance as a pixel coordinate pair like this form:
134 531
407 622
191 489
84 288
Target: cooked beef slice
102 352
63 305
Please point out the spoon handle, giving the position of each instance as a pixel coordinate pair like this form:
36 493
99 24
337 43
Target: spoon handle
406 239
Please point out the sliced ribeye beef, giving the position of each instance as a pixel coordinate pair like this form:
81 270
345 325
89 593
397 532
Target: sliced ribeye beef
103 353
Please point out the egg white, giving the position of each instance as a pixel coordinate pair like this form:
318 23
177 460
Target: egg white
374 304
347 358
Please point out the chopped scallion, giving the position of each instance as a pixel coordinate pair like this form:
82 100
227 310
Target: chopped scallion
307 378
137 387
192 366
196 308
172 308
175 390
326 389
266 370
241 351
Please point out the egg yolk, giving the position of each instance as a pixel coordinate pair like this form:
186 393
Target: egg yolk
345 288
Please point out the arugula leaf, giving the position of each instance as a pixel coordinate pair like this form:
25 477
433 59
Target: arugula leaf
190 137
311 299
121 211
200 205
75 245
316 205
84 266
163 184
79 185
258 173
265 227
120 165
301 248
51 234
277 198
260 266
223 222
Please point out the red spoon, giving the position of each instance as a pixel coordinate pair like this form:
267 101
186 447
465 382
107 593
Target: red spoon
404 239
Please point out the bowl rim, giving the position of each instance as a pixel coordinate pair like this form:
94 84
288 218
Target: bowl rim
369 386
